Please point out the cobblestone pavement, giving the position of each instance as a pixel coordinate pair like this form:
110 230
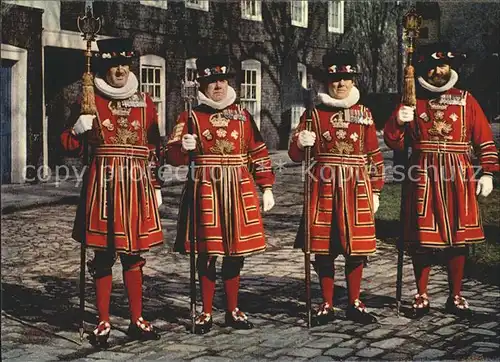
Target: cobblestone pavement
40 268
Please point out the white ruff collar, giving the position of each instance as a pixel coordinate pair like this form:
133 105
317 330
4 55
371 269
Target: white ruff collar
230 98
127 91
347 102
450 84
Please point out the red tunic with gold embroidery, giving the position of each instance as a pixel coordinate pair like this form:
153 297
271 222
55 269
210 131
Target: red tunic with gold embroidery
347 168
440 207
230 158
124 141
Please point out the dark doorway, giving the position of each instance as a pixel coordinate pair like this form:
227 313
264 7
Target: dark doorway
5 122
63 71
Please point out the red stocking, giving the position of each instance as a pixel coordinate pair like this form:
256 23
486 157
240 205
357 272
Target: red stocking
327 285
354 272
133 283
103 294
422 272
207 293
232 286
455 273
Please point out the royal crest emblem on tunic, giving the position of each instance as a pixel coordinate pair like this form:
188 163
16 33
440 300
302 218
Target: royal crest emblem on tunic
117 109
218 120
125 137
222 147
343 148
440 130
338 121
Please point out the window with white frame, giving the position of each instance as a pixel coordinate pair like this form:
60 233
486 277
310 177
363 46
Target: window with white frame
298 110
152 70
197 4
251 10
250 94
157 3
299 13
336 17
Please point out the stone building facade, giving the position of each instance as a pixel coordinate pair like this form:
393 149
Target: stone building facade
272 47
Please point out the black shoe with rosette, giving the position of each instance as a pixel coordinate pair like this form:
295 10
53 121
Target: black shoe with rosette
458 306
324 314
358 313
203 323
238 320
142 330
99 336
420 306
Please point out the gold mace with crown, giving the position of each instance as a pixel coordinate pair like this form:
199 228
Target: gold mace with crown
89 27
411 24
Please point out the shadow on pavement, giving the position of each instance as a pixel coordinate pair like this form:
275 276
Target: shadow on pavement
56 301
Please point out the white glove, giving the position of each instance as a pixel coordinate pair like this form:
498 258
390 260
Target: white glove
267 200
484 185
405 115
159 198
306 139
376 202
83 123
189 142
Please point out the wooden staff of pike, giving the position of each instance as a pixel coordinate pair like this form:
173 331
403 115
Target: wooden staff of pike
411 24
309 103
189 93
89 27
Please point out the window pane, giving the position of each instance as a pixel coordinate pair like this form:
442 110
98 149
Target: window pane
157 91
144 78
150 75
334 9
336 14
157 75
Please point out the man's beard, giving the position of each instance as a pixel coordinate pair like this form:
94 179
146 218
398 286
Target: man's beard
439 80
